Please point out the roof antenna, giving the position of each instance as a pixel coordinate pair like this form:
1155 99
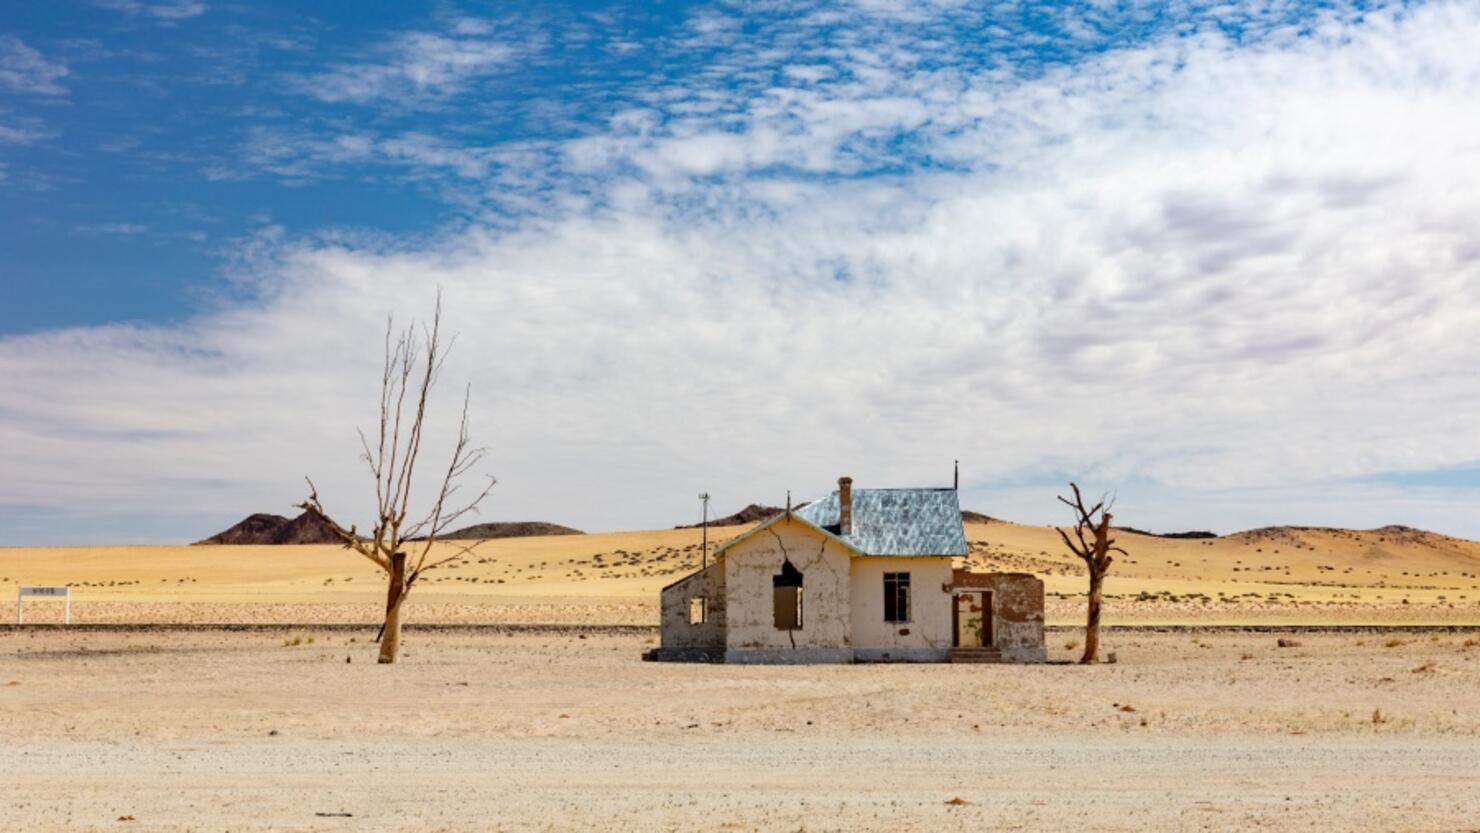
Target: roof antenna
956 479
788 504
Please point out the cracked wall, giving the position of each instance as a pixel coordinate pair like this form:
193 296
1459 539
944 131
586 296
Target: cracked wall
843 605
677 632
749 567
1017 612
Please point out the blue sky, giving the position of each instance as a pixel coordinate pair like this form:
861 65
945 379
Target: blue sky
1215 256
161 138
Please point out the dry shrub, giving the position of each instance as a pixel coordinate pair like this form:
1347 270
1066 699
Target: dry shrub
1071 645
1427 668
1394 643
1378 718
1288 643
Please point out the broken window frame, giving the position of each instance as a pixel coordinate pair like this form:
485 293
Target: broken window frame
701 605
897 598
787 594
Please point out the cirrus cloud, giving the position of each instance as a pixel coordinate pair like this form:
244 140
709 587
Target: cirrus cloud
25 70
414 67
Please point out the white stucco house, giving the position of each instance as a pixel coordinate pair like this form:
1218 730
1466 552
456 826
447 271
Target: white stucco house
860 575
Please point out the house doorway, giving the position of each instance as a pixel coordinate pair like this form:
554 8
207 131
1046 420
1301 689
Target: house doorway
972 619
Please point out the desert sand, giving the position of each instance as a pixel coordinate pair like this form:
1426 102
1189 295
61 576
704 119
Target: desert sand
205 730
1198 726
1280 576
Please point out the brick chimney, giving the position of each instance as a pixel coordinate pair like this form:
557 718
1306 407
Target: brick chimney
845 506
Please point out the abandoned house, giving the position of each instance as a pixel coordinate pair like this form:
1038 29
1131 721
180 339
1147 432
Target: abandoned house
863 575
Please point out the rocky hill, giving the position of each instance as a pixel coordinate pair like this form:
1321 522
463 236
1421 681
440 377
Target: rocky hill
753 513
263 529
757 512
1192 535
266 529
509 529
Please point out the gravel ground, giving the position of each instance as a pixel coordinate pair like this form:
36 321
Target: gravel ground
478 731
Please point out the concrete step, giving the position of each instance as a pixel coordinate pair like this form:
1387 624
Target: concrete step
974 655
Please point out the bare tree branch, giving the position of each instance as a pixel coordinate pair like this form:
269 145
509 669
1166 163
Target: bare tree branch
1092 544
348 537
411 368
463 551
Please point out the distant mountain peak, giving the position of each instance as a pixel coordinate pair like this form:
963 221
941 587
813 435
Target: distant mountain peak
264 529
509 529
753 513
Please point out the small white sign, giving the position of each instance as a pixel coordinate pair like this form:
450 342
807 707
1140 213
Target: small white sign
63 593
44 591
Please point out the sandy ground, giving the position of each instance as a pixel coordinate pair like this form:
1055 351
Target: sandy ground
294 728
1383 576
208 730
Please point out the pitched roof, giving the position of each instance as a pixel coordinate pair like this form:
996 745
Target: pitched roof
796 517
896 521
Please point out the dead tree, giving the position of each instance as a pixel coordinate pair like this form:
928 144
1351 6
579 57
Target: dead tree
1093 544
404 550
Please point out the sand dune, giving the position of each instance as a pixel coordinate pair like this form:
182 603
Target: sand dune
1283 575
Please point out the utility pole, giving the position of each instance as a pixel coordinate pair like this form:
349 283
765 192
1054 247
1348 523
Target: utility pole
704 523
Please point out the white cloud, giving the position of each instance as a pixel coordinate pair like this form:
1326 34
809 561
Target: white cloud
114 228
1230 279
166 11
24 70
14 135
301 155
415 67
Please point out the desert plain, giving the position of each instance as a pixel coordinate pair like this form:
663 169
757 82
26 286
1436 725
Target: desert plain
1279 679
1284 575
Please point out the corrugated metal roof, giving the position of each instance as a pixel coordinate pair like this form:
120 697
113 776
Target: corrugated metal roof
896 521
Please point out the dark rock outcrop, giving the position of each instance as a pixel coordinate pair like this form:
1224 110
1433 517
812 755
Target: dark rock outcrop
272 530
1194 534
753 513
757 512
509 529
266 529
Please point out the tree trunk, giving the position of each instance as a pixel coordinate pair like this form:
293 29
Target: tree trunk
1092 629
390 639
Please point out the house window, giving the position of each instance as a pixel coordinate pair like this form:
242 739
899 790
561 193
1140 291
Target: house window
787 589
896 597
698 610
